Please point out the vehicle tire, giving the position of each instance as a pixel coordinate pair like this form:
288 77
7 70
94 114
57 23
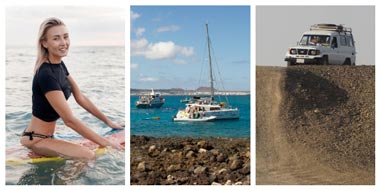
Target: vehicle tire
290 63
347 62
324 61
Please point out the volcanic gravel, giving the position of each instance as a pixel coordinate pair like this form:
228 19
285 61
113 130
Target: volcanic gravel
190 161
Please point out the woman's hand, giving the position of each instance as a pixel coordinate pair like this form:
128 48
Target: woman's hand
116 145
115 125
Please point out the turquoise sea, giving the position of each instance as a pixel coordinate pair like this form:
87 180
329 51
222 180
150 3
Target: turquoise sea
99 72
143 124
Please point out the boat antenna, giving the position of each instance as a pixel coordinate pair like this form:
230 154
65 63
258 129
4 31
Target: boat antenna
209 62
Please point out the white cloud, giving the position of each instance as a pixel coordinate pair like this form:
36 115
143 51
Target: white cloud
138 45
159 50
170 28
134 15
139 31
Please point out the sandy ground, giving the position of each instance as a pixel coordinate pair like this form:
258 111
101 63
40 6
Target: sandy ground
315 125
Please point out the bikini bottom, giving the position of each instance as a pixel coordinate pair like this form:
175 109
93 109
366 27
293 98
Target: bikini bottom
32 134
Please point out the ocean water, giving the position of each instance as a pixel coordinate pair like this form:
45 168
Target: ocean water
142 124
99 72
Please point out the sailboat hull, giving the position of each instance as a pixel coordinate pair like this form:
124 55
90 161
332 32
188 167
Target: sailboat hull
146 106
184 117
224 114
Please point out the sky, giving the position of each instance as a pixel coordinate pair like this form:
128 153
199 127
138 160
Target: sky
280 27
88 26
169 46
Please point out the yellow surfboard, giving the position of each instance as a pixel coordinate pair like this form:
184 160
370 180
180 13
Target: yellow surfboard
19 155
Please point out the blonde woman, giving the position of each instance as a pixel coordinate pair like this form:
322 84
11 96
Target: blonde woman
52 86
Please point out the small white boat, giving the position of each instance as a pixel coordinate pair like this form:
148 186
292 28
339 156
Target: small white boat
154 100
184 116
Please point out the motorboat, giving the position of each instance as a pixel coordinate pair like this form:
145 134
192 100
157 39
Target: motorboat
153 100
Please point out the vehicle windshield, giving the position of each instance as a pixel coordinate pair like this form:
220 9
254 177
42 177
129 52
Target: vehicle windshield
313 40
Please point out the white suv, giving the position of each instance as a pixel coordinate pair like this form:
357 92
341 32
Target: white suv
324 44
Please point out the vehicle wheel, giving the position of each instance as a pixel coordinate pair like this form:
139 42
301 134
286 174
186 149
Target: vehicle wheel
347 62
290 63
324 61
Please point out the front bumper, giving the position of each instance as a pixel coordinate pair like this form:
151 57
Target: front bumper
304 61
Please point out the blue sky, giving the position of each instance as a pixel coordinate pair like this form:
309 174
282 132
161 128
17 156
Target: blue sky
169 49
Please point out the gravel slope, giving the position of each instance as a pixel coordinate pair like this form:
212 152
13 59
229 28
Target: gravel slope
315 125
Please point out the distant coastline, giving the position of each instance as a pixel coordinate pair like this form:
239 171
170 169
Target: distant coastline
202 91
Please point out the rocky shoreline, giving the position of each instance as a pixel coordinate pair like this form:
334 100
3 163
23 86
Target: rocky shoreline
189 161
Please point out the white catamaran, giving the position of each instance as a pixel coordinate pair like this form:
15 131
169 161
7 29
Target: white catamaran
207 109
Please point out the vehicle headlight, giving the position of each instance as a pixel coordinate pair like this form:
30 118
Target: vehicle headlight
314 52
292 51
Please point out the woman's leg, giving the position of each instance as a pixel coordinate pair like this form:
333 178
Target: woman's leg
55 147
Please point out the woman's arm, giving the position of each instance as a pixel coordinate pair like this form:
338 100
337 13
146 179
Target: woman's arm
58 102
86 103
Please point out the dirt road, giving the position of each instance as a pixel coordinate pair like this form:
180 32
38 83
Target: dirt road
315 125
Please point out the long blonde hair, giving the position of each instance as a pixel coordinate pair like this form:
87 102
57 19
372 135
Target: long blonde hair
42 52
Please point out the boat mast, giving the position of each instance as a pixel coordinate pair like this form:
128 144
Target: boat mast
209 62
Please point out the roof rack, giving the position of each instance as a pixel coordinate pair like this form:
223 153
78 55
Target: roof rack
331 27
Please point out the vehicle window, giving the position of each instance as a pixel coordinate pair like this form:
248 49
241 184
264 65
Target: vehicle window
304 40
349 41
334 43
313 40
325 40
343 41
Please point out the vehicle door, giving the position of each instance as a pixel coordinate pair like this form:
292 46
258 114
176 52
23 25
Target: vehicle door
344 50
333 52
